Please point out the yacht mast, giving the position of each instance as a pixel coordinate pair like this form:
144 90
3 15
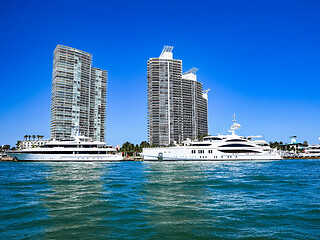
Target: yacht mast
234 126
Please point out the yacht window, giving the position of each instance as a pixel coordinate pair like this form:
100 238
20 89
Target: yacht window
236 140
236 145
68 152
212 138
57 145
238 151
90 146
201 144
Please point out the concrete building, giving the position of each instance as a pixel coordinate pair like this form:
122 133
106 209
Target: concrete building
78 95
177 109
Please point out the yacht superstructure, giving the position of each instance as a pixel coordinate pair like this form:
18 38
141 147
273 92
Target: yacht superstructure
215 148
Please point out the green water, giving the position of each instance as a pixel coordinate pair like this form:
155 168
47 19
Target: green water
164 200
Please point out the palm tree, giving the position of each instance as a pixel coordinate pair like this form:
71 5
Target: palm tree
25 137
137 148
38 136
144 144
6 147
29 136
41 137
128 147
34 137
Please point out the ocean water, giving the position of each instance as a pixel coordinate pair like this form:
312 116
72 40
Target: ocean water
160 200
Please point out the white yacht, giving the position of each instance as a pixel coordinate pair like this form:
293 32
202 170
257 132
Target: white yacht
312 151
76 149
215 148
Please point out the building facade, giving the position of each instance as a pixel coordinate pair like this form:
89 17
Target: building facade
177 109
194 106
78 95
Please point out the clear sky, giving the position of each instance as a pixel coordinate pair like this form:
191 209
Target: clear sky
261 60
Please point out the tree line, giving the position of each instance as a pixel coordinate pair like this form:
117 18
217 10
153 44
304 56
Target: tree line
27 137
7 147
131 149
34 137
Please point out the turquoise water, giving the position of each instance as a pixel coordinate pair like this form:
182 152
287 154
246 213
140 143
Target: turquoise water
166 200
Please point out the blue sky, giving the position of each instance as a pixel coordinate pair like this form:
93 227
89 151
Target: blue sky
261 60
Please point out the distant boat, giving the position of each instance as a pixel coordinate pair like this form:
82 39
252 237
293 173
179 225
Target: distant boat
215 148
311 151
76 149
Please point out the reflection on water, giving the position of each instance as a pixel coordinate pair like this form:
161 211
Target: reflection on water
160 200
123 189
96 200
75 204
175 194
150 200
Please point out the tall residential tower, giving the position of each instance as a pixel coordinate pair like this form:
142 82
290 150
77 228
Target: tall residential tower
194 106
78 95
177 107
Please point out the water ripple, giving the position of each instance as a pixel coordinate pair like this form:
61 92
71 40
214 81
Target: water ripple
161 200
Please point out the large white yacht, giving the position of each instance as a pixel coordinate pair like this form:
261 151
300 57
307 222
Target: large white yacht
76 149
312 151
215 148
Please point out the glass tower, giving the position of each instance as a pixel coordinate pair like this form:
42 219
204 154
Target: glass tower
176 106
78 95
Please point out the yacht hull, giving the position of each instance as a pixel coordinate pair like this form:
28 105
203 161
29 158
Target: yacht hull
183 154
29 157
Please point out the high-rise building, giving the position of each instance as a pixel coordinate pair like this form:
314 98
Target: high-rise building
164 98
78 95
194 106
177 106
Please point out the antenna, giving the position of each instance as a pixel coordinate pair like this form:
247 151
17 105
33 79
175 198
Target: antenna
234 126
